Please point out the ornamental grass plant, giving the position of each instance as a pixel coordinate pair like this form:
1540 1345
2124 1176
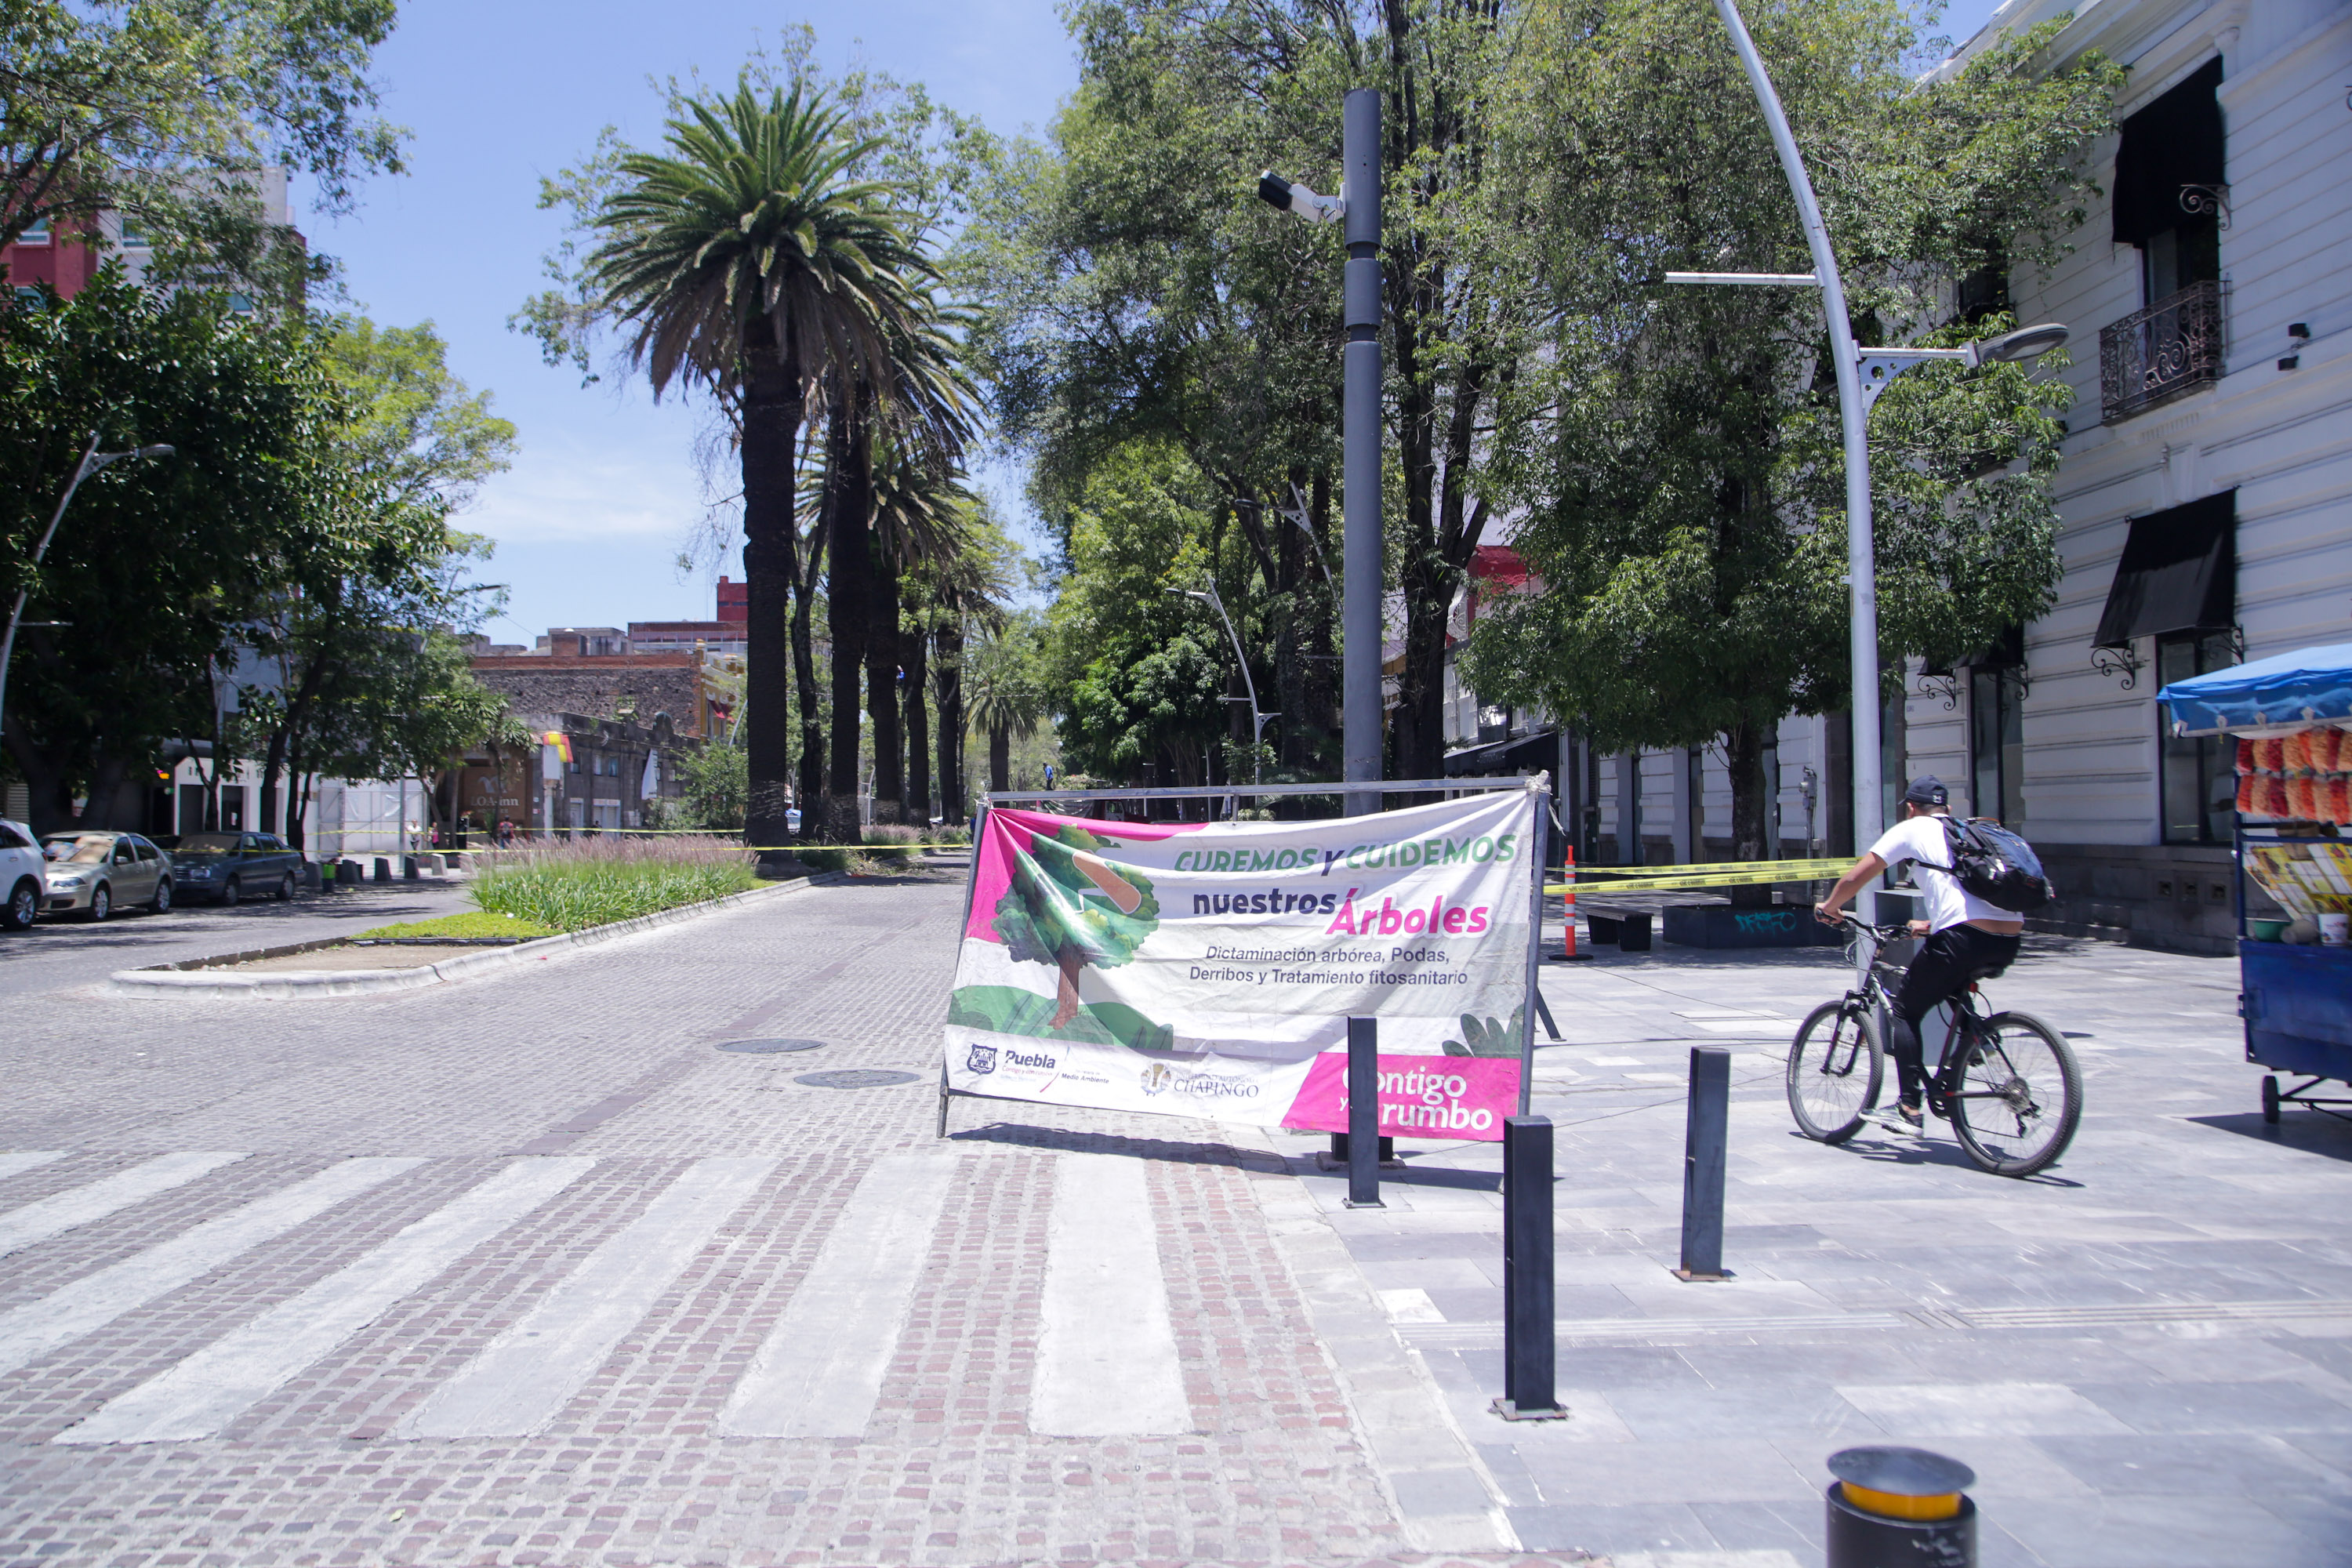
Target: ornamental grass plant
574 883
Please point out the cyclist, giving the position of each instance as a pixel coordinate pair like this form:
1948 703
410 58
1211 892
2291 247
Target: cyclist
1966 937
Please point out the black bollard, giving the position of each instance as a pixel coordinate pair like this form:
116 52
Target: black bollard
1895 1508
1364 1114
1703 1140
1527 1327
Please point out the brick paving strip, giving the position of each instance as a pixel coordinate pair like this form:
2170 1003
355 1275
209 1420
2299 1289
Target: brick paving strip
530 1272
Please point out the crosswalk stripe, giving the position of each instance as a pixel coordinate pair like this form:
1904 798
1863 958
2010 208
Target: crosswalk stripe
20 1228
35 1329
523 1378
203 1393
22 1160
819 1371
1106 1363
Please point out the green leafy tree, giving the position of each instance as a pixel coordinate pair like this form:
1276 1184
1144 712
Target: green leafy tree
1069 907
172 114
159 567
1686 517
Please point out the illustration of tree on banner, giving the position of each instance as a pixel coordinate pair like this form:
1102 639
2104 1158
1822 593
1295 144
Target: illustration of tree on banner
1489 1036
1069 907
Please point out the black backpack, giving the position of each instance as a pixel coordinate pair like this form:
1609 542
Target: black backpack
1995 864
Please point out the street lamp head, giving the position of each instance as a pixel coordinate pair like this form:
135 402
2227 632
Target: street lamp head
158 451
2025 343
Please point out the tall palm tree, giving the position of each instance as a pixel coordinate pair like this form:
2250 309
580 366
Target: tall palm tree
894 431
750 259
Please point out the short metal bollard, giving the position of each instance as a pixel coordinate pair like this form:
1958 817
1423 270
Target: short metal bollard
1900 1508
383 870
1703 1140
1364 1114
1529 1345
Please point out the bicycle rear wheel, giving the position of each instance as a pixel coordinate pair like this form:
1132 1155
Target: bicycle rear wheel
2020 1095
1834 1068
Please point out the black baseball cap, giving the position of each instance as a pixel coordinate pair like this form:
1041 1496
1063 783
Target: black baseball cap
1928 790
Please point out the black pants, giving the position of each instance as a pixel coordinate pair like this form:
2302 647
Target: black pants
1948 961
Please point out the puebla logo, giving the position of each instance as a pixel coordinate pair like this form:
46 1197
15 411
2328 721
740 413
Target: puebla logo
982 1059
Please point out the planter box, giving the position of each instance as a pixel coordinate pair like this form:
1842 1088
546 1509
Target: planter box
1719 925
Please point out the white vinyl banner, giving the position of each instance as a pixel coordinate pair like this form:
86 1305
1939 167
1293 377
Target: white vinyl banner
1209 969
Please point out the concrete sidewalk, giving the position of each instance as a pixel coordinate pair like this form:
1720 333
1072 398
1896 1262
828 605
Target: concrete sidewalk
2146 1352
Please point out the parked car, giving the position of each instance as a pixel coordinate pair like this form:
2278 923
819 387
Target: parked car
95 873
228 867
21 876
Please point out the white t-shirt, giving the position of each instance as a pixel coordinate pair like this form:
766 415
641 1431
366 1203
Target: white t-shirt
1948 904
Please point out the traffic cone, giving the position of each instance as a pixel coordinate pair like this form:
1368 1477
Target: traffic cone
1568 903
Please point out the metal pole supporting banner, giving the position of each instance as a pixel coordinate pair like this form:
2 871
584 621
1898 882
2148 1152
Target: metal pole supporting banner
1360 621
1854 416
1364 1114
1537 787
1704 1138
1529 1347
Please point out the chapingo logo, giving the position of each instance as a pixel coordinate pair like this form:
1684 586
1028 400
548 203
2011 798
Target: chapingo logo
1161 1078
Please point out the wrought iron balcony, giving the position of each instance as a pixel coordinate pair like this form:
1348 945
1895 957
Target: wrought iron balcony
2154 355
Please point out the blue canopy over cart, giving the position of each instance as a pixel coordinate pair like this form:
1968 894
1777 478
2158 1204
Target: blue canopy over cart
2291 716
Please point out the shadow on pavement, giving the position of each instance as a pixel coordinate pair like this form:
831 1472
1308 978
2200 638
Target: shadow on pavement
2311 1132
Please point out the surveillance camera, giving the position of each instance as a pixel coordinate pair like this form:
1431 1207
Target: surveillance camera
1298 201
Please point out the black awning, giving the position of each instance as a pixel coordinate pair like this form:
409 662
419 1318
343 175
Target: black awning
2174 141
1530 753
2178 573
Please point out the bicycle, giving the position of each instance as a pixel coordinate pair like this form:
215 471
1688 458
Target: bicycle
2008 1083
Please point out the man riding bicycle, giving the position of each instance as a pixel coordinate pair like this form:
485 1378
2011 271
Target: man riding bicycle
1966 937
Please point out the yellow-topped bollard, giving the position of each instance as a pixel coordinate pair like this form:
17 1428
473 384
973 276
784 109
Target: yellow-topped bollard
1900 1508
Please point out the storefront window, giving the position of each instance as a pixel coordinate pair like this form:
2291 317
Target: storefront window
2198 780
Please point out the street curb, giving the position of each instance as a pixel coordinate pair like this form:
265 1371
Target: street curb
299 984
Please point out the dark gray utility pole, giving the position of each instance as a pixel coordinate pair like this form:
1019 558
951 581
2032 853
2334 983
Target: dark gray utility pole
1359 620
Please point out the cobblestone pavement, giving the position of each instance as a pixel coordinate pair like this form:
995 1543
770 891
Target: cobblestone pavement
2146 1352
58 954
527 1269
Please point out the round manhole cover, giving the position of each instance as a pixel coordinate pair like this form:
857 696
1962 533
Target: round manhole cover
771 1047
856 1077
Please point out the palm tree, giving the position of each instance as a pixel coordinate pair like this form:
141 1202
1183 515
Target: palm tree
895 433
1003 701
752 261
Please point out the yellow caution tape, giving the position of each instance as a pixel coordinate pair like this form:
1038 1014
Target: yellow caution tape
1683 884
1796 871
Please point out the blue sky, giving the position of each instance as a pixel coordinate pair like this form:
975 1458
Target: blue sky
605 489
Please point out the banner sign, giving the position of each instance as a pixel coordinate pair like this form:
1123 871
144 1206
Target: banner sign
1209 969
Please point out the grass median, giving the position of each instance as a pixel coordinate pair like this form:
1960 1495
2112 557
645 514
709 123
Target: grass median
573 884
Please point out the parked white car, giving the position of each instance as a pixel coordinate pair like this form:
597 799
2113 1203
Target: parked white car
22 876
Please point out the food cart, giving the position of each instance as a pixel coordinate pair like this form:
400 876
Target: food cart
2291 718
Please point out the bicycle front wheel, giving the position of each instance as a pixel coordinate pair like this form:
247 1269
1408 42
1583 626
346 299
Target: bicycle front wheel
1834 1068
2020 1096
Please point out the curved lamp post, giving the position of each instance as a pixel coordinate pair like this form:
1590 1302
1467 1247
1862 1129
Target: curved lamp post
1861 375
91 462
1257 719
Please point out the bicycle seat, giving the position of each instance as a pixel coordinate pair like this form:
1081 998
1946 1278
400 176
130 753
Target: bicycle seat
1986 972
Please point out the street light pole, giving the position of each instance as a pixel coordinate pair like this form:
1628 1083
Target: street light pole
1861 552
1257 719
1861 375
91 462
1359 622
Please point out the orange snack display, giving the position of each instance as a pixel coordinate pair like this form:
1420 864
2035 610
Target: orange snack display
2337 806
2326 751
2273 798
2301 800
2250 795
2245 755
2295 753
2266 755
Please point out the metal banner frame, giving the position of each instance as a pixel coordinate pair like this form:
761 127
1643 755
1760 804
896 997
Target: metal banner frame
1532 783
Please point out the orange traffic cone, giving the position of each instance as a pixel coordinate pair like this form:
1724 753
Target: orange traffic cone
1568 903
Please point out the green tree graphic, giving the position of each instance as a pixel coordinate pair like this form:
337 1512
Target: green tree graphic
1069 907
